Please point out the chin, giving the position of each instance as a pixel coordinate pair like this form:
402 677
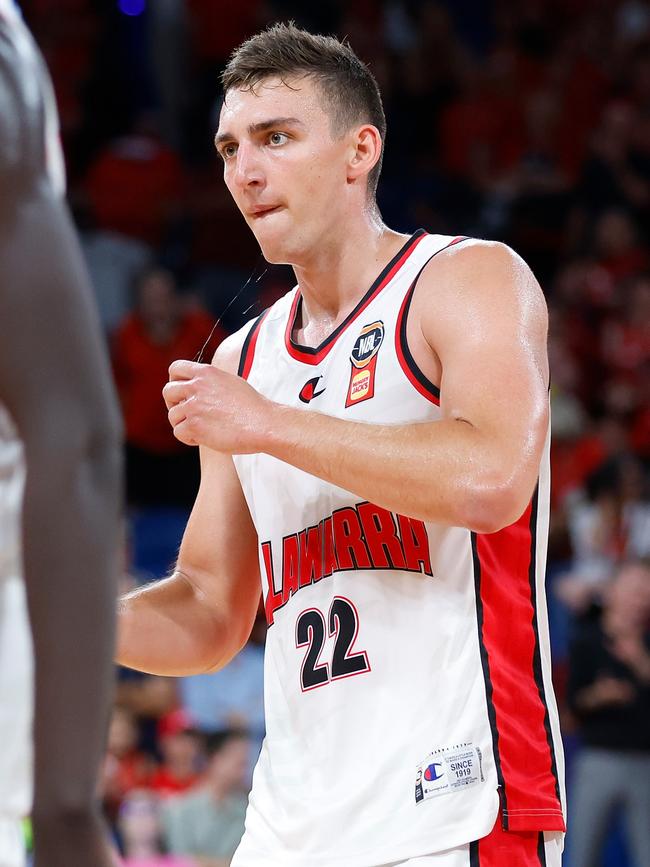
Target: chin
275 248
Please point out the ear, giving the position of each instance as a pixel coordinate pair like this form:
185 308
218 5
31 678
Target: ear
365 151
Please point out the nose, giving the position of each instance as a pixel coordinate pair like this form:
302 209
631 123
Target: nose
248 171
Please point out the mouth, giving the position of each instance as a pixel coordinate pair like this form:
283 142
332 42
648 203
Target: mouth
263 211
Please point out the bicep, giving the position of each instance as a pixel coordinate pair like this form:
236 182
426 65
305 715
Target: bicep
218 553
489 332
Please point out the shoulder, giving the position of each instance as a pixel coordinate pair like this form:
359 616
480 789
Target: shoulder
229 352
482 274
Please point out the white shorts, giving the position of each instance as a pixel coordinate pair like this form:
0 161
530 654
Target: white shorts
12 846
498 849
544 854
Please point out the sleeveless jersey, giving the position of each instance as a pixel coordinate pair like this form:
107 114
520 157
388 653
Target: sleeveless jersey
407 672
16 675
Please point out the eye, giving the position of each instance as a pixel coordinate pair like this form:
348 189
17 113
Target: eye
278 138
228 151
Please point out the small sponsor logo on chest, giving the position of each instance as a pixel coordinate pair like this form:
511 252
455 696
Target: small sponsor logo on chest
363 363
309 390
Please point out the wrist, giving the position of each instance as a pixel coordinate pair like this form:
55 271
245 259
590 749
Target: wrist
271 433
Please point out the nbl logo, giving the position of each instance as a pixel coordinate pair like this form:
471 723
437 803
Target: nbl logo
363 361
367 344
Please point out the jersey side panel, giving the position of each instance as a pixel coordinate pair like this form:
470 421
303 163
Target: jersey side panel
507 576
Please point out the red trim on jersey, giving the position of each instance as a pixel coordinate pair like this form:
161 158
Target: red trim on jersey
248 349
505 568
413 373
314 355
501 848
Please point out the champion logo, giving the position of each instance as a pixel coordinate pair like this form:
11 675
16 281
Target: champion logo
308 391
431 774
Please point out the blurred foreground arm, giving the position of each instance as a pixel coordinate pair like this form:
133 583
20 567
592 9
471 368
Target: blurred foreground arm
55 383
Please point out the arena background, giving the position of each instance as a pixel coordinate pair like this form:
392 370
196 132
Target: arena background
526 122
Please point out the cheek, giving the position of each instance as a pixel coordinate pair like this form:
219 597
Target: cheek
322 177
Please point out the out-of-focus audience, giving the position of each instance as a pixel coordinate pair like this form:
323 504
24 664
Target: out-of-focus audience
523 121
141 833
163 326
180 746
126 766
208 823
609 694
233 696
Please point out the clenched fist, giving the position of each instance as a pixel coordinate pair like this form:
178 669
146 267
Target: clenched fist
210 407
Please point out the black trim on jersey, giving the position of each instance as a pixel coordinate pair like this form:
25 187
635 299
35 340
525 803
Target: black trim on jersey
406 352
485 664
314 350
247 342
537 658
473 854
541 851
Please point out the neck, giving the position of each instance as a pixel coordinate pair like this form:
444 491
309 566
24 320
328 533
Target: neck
340 271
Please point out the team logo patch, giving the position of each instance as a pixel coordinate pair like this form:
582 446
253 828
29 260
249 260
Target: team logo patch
363 361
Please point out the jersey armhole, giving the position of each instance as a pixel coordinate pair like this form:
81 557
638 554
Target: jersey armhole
248 349
415 376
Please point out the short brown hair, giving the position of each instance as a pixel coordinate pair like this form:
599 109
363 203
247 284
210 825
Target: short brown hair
283 50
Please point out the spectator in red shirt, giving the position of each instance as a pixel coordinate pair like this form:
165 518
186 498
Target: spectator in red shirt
181 746
162 328
136 185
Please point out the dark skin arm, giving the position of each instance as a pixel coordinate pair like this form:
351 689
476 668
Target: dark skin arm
55 383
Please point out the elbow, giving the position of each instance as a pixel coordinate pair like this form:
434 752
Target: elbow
493 508
228 650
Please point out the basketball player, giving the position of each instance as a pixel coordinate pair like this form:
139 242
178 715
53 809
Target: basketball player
57 418
379 437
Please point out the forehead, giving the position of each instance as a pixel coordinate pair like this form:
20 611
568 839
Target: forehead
300 97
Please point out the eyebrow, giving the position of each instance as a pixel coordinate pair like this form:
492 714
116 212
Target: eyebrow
255 128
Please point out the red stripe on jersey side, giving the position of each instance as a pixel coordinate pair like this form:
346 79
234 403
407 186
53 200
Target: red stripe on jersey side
314 355
248 349
418 380
508 848
504 571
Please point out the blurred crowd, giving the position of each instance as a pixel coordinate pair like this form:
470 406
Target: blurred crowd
526 122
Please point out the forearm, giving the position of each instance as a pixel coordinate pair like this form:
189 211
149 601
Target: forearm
167 628
71 514
445 471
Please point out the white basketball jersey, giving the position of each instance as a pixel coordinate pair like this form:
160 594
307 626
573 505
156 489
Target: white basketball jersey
16 674
408 691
